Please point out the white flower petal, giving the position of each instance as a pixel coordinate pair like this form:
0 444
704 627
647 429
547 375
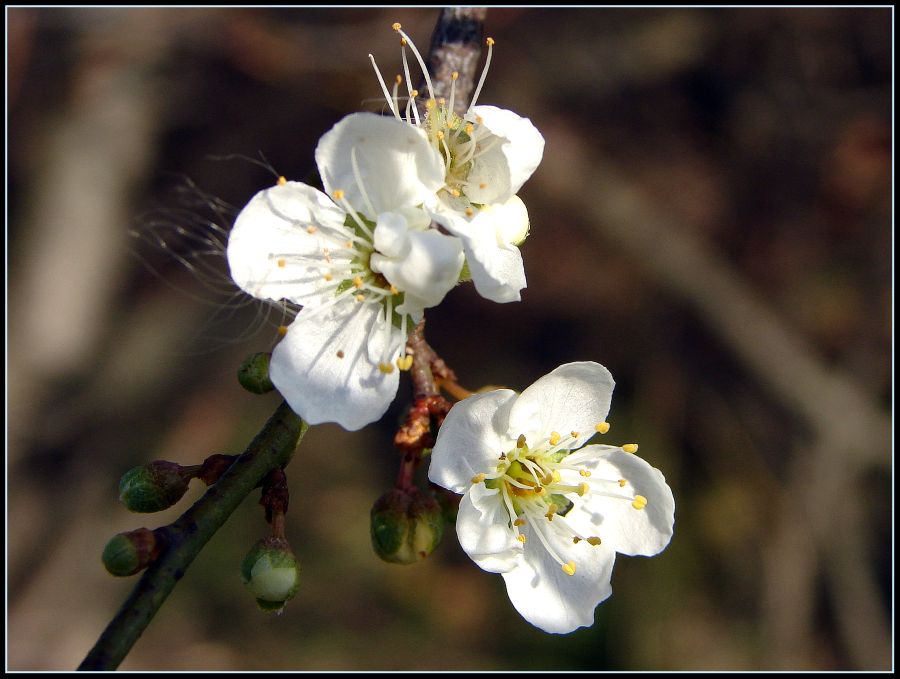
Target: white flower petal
549 598
390 237
482 526
272 230
428 268
385 340
573 397
471 440
496 267
511 219
321 367
628 530
522 148
397 166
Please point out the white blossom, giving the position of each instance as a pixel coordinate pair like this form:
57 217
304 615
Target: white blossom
488 153
361 259
540 507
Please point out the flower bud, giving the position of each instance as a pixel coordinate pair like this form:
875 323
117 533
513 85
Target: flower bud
153 487
271 572
128 553
407 525
254 373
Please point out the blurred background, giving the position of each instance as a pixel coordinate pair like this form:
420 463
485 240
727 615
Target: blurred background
711 221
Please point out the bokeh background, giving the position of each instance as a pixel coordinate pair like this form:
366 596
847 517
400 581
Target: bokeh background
711 221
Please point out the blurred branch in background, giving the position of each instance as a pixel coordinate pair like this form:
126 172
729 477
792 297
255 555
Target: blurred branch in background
849 433
710 221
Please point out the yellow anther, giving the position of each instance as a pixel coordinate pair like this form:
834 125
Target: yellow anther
282 330
630 447
469 212
593 540
405 362
394 290
539 490
403 42
386 368
583 488
639 502
360 297
442 102
431 103
414 93
602 427
311 229
569 568
281 181
398 79
520 442
478 478
338 194
622 483
469 128
357 282
439 135
575 434
490 42
340 353
282 263
521 538
396 26
584 472
555 476
576 539
551 510
519 522
454 75
554 438
479 119
328 277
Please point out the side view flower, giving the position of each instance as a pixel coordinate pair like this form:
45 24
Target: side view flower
540 507
362 261
488 154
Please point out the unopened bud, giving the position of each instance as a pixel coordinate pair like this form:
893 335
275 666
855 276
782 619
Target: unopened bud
254 373
407 525
128 553
153 487
271 573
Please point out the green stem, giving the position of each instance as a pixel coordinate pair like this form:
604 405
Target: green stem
272 447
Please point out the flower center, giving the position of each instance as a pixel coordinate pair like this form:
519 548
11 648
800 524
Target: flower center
367 286
537 488
459 139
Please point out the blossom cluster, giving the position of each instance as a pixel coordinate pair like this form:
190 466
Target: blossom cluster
411 204
408 201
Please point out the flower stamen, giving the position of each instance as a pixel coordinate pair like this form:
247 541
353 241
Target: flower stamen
418 56
487 64
391 101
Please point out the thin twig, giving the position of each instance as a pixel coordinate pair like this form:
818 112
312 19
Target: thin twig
272 447
456 46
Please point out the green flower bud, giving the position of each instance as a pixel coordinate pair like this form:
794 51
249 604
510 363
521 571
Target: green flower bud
153 487
407 525
254 373
128 553
271 573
